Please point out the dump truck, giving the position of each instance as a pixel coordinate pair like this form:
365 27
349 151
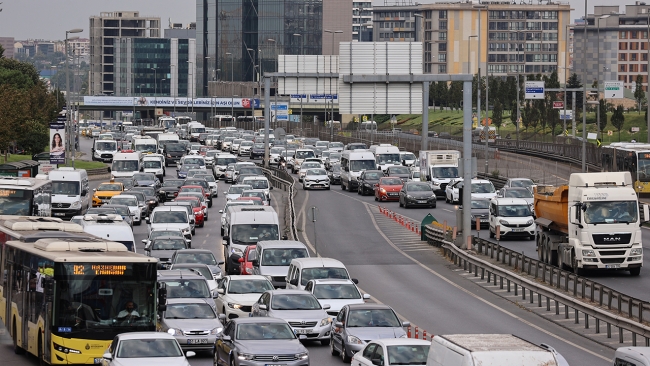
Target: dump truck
594 222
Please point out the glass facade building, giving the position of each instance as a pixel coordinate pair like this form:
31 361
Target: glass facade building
136 59
242 39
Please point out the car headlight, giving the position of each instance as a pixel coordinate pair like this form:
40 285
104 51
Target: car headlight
216 331
588 253
302 356
409 196
636 251
325 321
354 340
175 331
503 222
75 205
233 305
382 190
237 251
151 202
245 356
529 222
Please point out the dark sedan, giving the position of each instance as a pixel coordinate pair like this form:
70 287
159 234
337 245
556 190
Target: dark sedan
417 194
146 180
368 180
402 172
181 173
480 210
335 174
257 151
150 195
169 189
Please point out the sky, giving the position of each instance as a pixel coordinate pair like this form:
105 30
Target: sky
49 19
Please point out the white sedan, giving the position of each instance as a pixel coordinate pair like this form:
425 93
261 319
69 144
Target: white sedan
393 351
238 293
452 192
145 348
336 293
308 165
315 178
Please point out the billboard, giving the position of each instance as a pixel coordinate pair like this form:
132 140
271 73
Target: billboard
613 89
57 142
534 90
170 102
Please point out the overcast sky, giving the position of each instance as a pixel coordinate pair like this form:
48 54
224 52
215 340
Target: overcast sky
49 19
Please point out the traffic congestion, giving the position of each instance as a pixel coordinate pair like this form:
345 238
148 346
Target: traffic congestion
250 296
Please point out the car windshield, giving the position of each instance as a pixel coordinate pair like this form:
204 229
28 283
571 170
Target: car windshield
148 191
110 187
407 156
207 177
196 161
336 169
521 183
263 331
124 211
335 156
517 193
309 165
169 217
187 167
387 158
335 144
357 165
144 176
261 146
304 154
252 233
106 146
481 204
168 244
336 291
281 257
373 175
391 182
225 161
174 147
238 189
257 183
373 318
321 273
195 147
211 153
158 233
186 189
445 172
399 170
408 354
421 187
129 201
189 311
294 302
125 165
316 172
184 288
611 212
101 210
514 210
247 286
148 348
246 143
259 195
67 188
482 188
191 257
152 164
172 183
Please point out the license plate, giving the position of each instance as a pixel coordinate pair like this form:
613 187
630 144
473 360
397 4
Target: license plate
197 341
303 331
98 360
612 266
517 230
392 194
422 201
275 364
58 213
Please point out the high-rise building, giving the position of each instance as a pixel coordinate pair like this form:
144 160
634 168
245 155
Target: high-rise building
525 38
362 21
104 30
616 45
7 44
242 40
153 66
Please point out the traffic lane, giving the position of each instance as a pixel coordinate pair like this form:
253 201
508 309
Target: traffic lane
413 289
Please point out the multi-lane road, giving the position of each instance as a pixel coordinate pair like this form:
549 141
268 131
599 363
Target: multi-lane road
422 286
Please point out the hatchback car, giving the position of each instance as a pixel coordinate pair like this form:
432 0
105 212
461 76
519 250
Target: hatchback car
308 165
143 348
367 181
197 209
259 342
334 174
163 247
235 191
389 352
315 178
356 324
131 202
169 189
336 293
388 189
192 322
238 293
298 307
480 211
203 256
417 194
402 172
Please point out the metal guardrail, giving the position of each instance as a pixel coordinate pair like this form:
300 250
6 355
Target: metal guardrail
98 171
581 295
498 182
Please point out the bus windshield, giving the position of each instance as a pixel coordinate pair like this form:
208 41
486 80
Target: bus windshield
251 234
15 201
196 130
146 148
90 297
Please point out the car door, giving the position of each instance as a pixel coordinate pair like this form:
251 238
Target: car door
366 359
223 347
402 193
379 354
220 301
337 333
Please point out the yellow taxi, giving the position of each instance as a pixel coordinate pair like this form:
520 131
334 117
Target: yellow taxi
106 191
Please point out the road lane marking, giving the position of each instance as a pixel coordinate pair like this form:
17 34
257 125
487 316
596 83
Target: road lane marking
444 209
435 273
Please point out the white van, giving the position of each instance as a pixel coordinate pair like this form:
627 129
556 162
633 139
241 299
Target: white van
386 155
70 189
145 145
109 227
126 164
301 270
272 259
513 217
246 225
490 350
636 356
299 156
154 163
353 162
166 138
104 150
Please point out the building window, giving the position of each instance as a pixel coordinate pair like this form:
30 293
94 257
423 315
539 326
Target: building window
644 57
442 36
442 47
622 46
644 68
622 35
442 69
633 57
381 35
442 24
622 68
622 57
634 34
442 57
634 45
634 68
622 78
442 14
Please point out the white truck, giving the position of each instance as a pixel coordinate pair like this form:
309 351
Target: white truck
439 167
593 223
194 129
490 350
386 155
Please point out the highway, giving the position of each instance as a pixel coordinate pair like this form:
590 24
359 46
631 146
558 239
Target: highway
413 278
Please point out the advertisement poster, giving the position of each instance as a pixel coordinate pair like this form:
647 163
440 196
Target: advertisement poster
57 142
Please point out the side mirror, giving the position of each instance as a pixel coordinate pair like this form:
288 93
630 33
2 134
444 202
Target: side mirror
262 307
406 324
220 263
147 248
294 282
147 220
220 211
327 306
366 296
255 263
241 260
222 319
144 241
107 356
338 324
347 169
271 188
221 291
356 282
94 189
377 361
190 354
226 240
646 212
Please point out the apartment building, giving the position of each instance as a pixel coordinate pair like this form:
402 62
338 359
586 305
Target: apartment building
362 21
104 30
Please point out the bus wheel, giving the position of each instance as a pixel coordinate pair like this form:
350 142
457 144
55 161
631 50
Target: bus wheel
41 361
17 350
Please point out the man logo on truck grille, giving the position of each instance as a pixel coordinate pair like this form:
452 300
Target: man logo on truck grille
612 238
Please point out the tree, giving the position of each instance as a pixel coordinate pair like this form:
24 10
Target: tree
603 114
2 52
618 119
456 93
497 114
639 94
34 136
572 83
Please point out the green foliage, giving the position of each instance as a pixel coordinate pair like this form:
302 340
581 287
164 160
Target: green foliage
603 114
618 119
2 52
639 94
497 114
34 136
574 82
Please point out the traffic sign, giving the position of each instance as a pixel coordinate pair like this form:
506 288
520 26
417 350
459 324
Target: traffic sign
566 114
610 133
598 142
365 118
534 90
298 96
566 132
613 89
558 104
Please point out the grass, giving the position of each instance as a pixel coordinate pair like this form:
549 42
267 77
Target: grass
452 122
80 164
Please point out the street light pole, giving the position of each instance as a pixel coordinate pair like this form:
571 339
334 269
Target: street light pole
486 129
155 91
647 93
598 76
331 95
232 86
68 119
191 90
584 95
161 86
301 50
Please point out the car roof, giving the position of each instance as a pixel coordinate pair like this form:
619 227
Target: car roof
258 320
145 335
195 251
187 300
402 342
247 277
167 237
178 273
368 306
169 208
319 262
510 201
282 291
268 244
333 281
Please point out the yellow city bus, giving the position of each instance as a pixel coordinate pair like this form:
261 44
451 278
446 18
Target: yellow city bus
63 289
630 157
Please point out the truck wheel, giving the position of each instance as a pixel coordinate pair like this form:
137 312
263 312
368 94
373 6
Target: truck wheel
553 257
635 271
576 270
491 234
560 262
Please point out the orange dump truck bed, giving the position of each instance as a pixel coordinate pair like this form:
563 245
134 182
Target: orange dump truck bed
552 204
